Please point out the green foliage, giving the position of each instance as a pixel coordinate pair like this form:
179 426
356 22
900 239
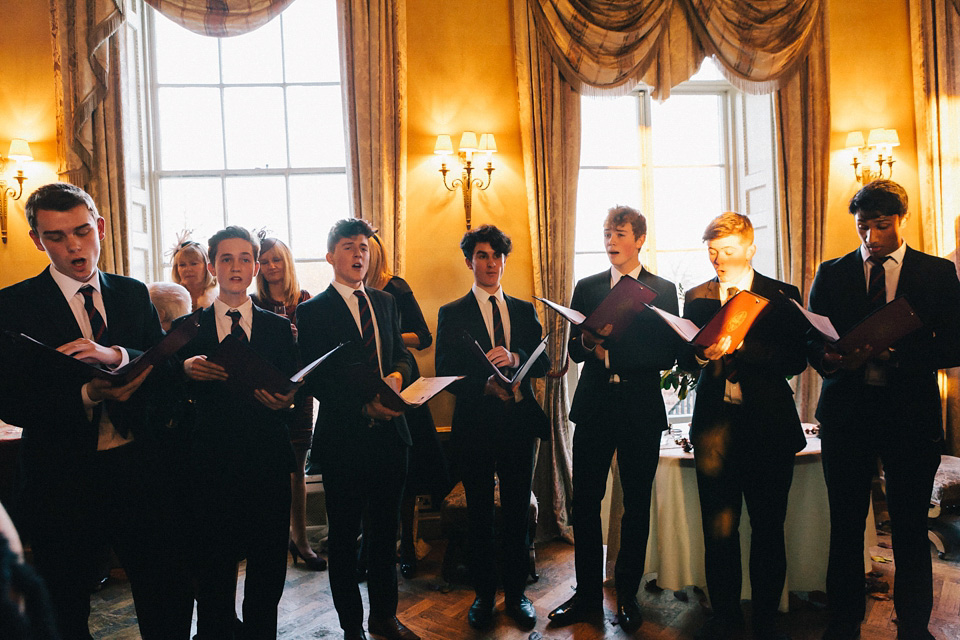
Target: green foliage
683 381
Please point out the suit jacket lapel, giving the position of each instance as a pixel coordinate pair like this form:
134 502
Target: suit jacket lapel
906 283
475 323
385 328
53 313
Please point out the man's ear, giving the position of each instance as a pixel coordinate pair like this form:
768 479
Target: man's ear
101 227
640 241
256 268
36 240
751 251
212 269
469 263
329 258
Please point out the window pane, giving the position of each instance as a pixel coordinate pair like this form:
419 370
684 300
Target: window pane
686 268
253 57
686 130
184 57
254 125
310 42
684 201
258 202
189 203
190 129
316 122
587 264
597 191
316 202
708 71
314 276
610 132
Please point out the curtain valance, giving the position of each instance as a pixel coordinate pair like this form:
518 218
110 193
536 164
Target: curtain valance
605 47
220 18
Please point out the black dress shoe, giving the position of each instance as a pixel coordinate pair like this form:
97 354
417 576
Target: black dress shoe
480 614
390 628
354 635
842 631
628 615
314 563
408 569
522 612
720 628
914 633
576 610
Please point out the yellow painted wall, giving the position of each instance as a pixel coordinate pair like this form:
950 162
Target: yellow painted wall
27 110
461 76
871 85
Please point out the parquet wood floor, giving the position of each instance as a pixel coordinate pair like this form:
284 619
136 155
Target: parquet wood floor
438 611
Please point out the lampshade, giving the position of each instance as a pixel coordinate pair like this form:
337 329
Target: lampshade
468 141
876 136
20 150
444 146
892 138
487 143
854 140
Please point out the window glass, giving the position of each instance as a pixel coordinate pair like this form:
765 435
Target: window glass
188 58
190 126
253 58
255 127
316 115
311 50
190 203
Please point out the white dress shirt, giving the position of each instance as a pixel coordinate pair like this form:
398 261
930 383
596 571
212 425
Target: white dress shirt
483 299
353 304
225 322
891 268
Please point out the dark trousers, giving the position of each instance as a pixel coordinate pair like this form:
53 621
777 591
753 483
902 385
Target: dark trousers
241 514
364 475
84 506
850 454
735 465
506 450
637 444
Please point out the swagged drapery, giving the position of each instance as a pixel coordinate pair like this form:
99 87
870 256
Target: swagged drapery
935 48
89 56
597 47
221 18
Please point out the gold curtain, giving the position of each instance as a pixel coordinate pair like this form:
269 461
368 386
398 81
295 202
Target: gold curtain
550 136
374 79
221 18
89 58
935 47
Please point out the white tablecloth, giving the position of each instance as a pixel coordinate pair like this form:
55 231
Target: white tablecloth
675 546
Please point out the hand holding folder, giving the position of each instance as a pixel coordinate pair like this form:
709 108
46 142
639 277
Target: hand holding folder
871 336
728 326
508 384
627 299
60 363
371 387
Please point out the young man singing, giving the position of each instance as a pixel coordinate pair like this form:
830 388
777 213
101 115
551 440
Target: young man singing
618 408
494 430
361 445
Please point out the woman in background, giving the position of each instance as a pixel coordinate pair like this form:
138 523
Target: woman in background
278 290
190 270
427 471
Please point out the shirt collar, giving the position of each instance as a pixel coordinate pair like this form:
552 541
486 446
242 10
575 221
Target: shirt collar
743 283
484 297
246 309
69 286
616 275
346 291
896 255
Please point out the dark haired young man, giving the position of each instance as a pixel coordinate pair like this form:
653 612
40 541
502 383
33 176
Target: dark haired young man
494 431
361 446
745 431
88 454
618 408
240 455
888 408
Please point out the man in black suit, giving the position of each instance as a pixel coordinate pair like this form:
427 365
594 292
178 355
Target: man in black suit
88 449
240 454
360 444
618 407
888 408
745 431
494 429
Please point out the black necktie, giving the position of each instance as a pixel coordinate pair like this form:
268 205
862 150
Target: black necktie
498 338
877 287
97 326
366 330
235 329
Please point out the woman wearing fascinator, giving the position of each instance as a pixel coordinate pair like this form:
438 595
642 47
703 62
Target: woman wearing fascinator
278 290
189 260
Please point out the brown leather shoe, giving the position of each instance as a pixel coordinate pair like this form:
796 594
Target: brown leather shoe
390 628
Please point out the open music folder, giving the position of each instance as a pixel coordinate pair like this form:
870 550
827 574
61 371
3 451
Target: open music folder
733 319
626 300
55 361
511 383
369 385
878 331
249 371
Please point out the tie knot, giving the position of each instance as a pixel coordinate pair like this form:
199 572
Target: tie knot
87 291
493 299
234 315
359 294
732 291
878 260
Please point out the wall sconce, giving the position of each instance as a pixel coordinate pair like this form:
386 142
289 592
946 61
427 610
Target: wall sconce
19 153
879 141
468 146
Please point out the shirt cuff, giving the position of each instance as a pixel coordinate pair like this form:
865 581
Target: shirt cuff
124 357
88 403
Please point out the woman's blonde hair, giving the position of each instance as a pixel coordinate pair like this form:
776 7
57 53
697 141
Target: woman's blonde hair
291 286
378 274
186 246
